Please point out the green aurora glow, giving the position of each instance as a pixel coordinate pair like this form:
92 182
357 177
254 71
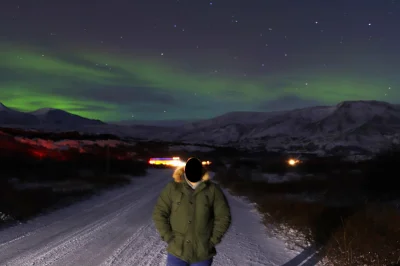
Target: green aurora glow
98 85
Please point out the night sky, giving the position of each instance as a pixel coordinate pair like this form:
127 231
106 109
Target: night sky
189 59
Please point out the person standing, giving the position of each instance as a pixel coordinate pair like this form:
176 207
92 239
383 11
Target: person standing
191 215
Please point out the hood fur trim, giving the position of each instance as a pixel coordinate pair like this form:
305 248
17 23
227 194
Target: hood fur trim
180 171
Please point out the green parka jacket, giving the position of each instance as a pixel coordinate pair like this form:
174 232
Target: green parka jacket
192 221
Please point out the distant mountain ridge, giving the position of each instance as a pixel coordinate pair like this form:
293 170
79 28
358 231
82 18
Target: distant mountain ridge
46 117
166 123
355 126
348 127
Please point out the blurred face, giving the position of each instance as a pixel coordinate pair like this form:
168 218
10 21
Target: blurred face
194 170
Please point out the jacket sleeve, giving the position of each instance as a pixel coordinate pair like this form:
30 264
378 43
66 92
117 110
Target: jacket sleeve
161 214
222 216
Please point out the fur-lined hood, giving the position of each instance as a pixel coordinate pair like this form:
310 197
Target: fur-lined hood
180 171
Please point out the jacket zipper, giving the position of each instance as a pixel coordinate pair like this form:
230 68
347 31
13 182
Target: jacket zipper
194 221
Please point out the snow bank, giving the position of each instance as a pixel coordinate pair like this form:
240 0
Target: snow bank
5 217
65 186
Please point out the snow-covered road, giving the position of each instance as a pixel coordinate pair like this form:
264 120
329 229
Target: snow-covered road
115 228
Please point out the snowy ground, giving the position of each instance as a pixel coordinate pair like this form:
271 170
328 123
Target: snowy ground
115 228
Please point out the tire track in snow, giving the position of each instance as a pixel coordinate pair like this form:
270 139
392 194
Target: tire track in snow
90 208
147 251
237 243
108 240
117 230
77 240
50 249
246 242
116 256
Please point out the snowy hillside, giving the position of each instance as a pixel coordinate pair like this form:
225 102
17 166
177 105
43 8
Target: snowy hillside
47 117
163 123
10 116
62 118
352 127
358 126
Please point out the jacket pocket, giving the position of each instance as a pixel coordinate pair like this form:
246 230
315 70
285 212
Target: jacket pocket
205 248
175 246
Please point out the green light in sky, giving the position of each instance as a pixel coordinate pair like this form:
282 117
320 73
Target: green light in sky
72 80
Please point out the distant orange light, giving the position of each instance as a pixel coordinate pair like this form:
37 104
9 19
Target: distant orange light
174 162
293 162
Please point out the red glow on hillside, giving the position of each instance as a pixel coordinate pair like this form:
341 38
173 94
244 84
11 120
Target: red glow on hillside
65 149
38 154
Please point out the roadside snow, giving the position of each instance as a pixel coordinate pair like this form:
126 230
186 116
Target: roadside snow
5 217
55 186
115 228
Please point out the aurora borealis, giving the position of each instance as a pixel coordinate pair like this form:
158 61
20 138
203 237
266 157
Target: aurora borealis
162 59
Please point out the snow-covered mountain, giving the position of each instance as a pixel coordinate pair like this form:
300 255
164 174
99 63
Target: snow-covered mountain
59 117
349 127
46 117
359 126
163 123
9 116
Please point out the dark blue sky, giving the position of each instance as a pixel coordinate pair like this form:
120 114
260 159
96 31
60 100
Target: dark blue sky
162 59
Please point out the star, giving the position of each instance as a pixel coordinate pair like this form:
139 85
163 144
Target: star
116 50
